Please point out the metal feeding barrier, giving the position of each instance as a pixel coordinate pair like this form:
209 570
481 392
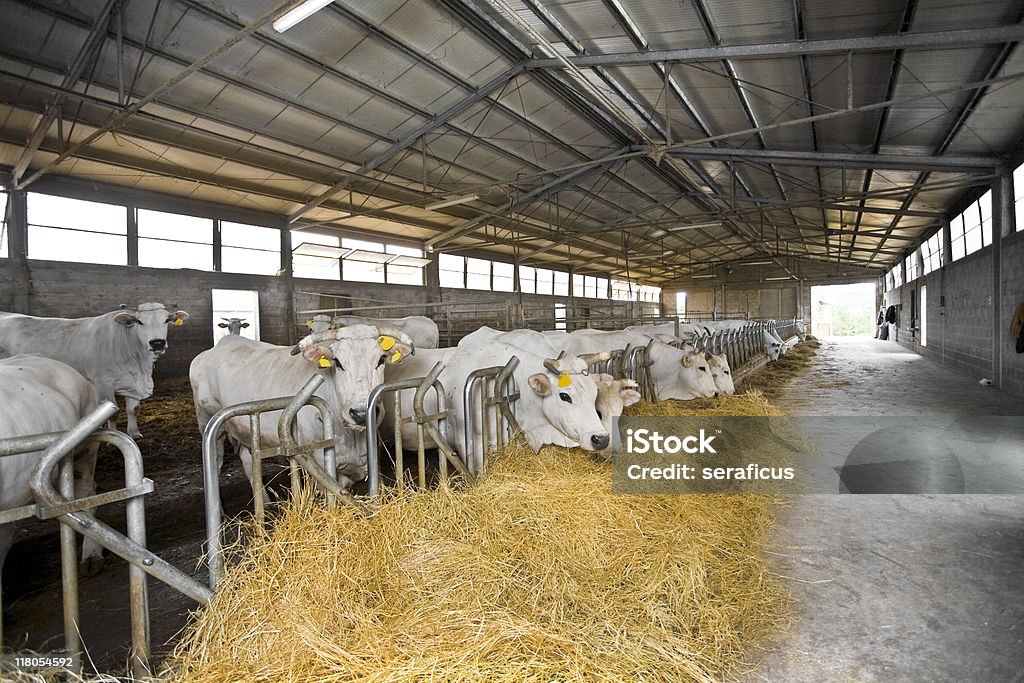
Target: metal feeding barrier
492 391
744 345
430 425
75 515
300 459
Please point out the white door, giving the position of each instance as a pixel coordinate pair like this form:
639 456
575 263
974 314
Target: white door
236 303
923 312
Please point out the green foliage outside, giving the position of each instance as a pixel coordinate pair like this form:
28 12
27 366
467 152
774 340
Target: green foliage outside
846 320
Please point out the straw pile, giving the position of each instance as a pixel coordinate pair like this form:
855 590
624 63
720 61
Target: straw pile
538 573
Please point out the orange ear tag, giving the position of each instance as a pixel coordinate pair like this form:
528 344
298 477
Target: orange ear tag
564 380
386 343
323 362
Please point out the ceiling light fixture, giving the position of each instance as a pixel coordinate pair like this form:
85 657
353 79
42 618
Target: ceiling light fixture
452 202
301 12
694 277
755 263
695 226
788 277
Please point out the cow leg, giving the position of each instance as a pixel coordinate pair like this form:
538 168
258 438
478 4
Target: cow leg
85 485
131 406
246 457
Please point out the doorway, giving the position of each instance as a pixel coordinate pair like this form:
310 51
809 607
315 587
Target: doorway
843 310
236 303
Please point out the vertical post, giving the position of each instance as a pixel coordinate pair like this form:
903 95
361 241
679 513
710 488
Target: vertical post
133 235
947 243
17 249
69 564
1002 225
218 262
289 280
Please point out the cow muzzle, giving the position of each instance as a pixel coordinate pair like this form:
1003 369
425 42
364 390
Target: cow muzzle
358 415
599 441
157 345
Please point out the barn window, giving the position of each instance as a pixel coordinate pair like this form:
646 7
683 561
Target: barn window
956 238
559 316
452 271
623 290
478 273
250 249
405 267
316 256
3 222
527 280
931 252
545 281
1018 197
578 286
561 283
503 276
64 229
910 263
365 262
602 287
985 206
170 240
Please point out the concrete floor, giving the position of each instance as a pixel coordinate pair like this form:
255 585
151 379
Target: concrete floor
898 587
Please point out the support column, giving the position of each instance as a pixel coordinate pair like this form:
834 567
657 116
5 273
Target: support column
947 243
133 235
1002 225
286 276
17 249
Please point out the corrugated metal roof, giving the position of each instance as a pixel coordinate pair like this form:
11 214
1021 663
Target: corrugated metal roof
358 81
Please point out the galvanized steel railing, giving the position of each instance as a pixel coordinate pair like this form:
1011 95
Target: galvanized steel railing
497 391
432 425
74 516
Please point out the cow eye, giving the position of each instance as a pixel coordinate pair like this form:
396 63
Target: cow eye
337 364
380 362
703 369
565 397
599 415
726 372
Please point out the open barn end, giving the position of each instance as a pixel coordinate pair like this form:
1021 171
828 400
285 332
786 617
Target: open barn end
465 298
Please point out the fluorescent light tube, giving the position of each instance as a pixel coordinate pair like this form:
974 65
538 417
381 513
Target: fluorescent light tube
756 263
694 226
301 12
788 277
452 202
694 277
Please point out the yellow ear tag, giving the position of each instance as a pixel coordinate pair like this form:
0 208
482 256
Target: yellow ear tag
179 322
309 324
386 343
396 357
323 362
564 380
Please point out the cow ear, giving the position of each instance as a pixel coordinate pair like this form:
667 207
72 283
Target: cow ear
221 325
319 355
540 384
709 357
603 379
125 319
629 397
179 317
397 352
244 325
687 362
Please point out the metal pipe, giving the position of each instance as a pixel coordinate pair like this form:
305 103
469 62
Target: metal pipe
372 423
69 565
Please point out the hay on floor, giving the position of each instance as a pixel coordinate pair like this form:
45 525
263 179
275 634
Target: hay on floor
538 573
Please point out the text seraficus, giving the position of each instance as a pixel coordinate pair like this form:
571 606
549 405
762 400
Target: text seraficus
645 441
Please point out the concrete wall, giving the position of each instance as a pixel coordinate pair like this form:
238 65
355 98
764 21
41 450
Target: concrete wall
743 300
959 310
74 290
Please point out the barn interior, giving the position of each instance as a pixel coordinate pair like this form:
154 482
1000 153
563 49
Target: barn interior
561 164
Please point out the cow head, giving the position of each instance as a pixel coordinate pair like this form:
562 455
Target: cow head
148 322
354 358
721 373
772 346
614 396
568 398
233 325
681 374
319 323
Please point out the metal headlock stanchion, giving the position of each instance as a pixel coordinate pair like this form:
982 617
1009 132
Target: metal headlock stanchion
504 417
300 454
74 516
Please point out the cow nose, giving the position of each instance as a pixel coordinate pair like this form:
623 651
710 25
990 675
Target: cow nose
157 344
716 394
358 415
599 441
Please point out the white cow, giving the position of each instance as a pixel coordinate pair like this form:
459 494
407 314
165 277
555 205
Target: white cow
422 330
233 325
557 396
41 395
721 373
612 395
116 350
352 360
679 374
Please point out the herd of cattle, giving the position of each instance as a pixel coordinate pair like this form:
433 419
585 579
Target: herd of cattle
53 371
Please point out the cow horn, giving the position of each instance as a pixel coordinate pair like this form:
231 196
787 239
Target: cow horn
551 365
591 358
313 339
627 384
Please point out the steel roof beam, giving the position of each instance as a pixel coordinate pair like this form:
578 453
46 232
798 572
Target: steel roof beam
936 40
